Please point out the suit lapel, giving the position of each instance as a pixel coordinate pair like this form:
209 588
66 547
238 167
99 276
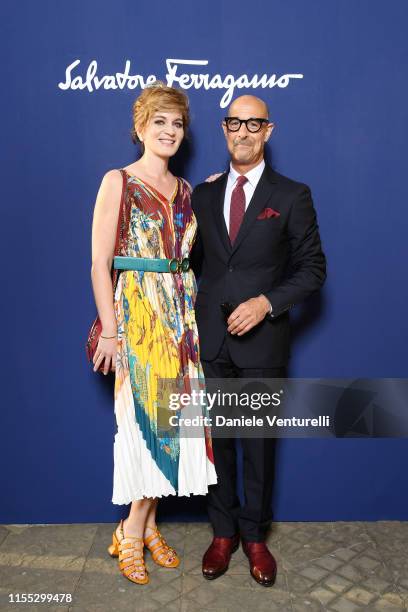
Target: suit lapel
218 209
264 190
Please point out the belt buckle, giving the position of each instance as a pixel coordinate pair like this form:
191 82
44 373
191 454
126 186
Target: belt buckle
174 265
184 264
179 265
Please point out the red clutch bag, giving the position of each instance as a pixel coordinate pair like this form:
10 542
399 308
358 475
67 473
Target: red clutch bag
96 327
92 341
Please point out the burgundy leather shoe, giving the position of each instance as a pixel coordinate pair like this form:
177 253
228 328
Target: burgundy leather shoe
217 557
262 563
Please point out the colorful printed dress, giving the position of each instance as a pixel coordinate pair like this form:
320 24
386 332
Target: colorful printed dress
157 339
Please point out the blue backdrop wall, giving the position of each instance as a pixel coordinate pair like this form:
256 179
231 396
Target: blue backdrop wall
341 128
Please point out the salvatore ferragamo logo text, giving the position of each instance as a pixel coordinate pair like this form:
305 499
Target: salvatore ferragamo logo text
180 77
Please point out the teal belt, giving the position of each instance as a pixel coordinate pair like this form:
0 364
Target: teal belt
147 264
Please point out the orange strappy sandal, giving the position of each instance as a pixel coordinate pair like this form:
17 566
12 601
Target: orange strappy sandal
162 553
131 560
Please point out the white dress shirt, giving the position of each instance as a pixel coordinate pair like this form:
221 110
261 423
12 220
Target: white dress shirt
253 177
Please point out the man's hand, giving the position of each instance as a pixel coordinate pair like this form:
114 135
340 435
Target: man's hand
213 177
247 315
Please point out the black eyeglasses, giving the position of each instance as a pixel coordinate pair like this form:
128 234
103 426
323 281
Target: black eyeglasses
253 124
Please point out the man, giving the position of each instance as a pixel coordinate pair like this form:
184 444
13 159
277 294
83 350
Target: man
259 252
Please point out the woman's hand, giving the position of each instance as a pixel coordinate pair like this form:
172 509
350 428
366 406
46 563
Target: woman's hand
106 350
213 177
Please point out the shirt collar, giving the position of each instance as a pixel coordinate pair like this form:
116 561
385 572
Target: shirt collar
253 175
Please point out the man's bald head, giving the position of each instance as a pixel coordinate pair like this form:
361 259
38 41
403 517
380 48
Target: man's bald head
248 104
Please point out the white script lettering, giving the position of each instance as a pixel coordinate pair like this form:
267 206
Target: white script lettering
185 80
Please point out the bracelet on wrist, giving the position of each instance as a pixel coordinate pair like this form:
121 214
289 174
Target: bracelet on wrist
109 337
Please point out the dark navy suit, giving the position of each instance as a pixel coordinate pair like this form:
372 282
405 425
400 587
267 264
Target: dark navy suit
279 255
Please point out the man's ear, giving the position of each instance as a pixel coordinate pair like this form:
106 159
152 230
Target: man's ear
269 131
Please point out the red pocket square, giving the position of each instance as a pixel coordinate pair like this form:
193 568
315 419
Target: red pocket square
267 213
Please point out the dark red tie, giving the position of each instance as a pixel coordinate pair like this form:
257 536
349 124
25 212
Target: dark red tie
237 208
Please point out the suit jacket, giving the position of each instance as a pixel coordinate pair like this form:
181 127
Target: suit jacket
279 256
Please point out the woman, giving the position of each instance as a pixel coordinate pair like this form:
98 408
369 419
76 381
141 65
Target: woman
149 331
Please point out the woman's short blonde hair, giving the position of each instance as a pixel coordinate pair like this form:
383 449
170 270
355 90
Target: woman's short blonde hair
158 97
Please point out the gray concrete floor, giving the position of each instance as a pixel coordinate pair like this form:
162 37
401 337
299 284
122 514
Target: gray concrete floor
338 566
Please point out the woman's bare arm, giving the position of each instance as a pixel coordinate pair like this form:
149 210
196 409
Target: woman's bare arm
104 226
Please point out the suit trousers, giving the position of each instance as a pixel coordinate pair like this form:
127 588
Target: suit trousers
226 514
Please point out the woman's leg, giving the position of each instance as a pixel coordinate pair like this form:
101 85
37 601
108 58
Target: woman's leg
151 515
150 525
134 525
